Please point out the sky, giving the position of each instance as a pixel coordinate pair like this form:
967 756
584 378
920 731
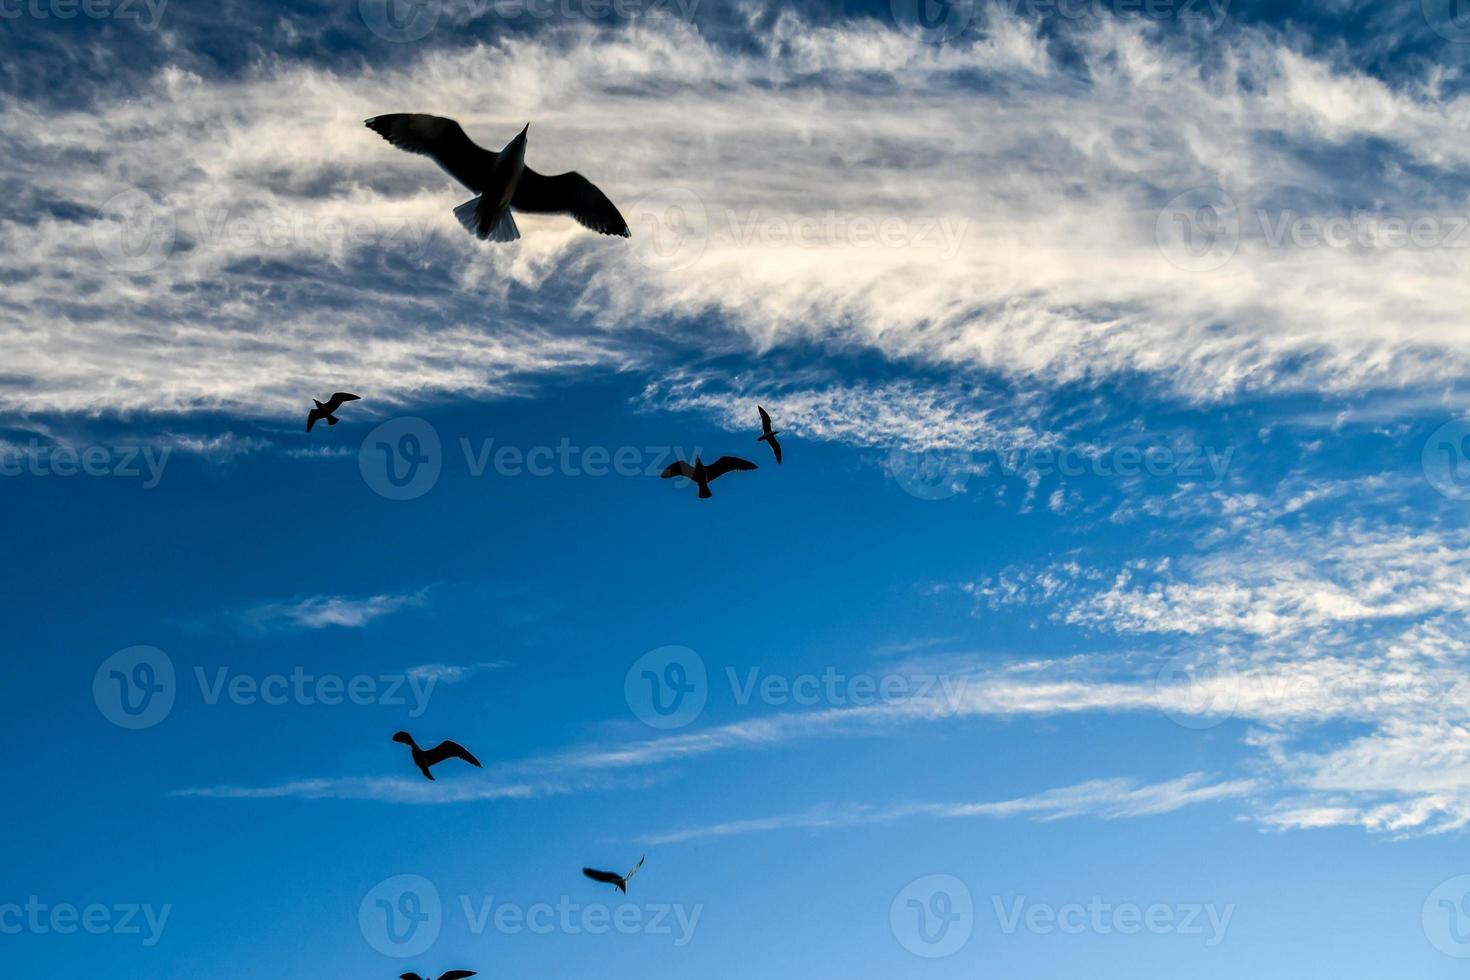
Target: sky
1106 616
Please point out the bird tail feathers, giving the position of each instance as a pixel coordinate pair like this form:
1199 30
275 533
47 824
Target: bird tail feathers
332 420
704 493
499 228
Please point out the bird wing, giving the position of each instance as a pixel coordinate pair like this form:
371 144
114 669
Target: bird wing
765 419
449 750
728 464
606 877
569 193
441 139
775 448
678 468
335 402
314 416
456 974
409 976
630 874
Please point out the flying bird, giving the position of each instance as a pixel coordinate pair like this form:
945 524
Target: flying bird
501 181
702 474
613 878
425 759
328 409
769 434
451 975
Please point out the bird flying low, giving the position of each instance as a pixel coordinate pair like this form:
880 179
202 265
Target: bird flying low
426 759
613 878
702 475
327 410
451 975
768 434
501 181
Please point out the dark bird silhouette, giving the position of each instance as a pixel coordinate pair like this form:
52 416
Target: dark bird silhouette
451 975
702 474
425 759
613 878
328 409
501 180
768 434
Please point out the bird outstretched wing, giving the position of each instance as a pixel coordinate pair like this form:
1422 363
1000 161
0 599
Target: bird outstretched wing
449 750
678 468
728 464
409 976
606 877
569 193
313 417
630 874
439 138
456 974
335 402
765 420
775 447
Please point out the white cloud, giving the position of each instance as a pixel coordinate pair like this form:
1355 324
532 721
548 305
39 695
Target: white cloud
321 611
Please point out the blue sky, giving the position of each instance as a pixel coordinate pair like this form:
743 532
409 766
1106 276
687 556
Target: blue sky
1107 614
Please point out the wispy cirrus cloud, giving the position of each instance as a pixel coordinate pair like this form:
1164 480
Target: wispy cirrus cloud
323 611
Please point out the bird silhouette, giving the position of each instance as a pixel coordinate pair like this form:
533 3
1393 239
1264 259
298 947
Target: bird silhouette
702 474
768 434
451 975
501 181
425 759
613 878
326 410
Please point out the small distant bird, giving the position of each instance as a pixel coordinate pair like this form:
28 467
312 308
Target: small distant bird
702 474
427 758
451 975
327 410
769 434
501 180
613 878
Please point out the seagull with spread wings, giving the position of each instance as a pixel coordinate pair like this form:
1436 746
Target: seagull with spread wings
327 410
426 759
768 434
501 181
451 975
702 475
613 878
